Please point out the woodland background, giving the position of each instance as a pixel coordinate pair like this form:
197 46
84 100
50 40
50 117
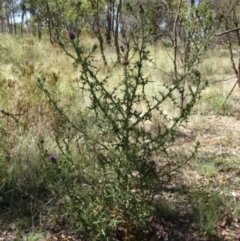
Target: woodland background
119 120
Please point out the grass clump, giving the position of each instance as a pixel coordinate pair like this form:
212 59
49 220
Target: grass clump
208 210
213 102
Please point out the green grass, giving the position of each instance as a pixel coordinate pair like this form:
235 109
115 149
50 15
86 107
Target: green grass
34 237
214 102
207 168
207 210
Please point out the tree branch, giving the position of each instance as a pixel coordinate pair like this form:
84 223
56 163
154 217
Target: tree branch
228 31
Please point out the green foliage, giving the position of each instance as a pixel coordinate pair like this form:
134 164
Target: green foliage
207 168
197 29
33 236
198 21
109 187
208 210
216 105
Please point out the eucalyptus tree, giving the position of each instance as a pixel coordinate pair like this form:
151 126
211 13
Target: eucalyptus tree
8 13
227 13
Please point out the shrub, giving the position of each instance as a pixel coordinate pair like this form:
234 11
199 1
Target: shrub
110 165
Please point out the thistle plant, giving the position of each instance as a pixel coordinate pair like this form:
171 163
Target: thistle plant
109 187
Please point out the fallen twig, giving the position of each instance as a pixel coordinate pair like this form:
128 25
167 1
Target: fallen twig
223 80
10 115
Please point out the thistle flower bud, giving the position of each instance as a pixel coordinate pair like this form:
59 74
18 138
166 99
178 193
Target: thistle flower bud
53 158
196 72
71 35
141 8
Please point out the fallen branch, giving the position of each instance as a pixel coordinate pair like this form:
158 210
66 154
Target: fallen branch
223 80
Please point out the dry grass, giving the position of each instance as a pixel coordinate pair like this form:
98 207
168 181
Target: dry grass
216 167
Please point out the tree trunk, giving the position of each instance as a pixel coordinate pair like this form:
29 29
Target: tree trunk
116 35
24 9
108 26
49 22
97 30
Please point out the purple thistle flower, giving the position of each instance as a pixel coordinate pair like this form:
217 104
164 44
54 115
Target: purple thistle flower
71 35
53 157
